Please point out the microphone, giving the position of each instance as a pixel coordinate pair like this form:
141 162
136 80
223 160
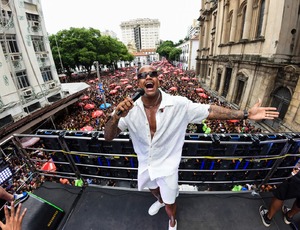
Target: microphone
140 92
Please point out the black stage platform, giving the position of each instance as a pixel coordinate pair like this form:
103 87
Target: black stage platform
108 208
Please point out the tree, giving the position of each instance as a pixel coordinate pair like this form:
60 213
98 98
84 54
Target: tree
81 47
174 54
168 50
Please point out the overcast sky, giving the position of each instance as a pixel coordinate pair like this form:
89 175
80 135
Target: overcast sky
175 16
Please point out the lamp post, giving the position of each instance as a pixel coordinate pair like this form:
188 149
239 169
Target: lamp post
61 64
101 89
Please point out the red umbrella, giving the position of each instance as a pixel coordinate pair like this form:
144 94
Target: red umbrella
89 106
112 85
85 97
49 166
97 113
200 90
203 95
87 128
118 87
128 87
173 88
114 91
185 79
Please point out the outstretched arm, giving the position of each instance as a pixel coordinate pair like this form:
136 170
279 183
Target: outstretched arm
255 113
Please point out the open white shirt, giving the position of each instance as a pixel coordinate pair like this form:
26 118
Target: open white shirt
162 155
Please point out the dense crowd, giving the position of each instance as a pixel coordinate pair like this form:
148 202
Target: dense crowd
121 83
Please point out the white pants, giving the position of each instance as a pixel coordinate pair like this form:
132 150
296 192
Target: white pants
168 185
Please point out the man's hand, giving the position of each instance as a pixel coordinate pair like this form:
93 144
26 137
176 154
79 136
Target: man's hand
13 220
260 113
124 107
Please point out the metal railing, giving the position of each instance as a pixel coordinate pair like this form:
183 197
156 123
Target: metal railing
214 162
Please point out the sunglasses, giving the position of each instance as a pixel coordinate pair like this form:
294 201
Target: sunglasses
145 74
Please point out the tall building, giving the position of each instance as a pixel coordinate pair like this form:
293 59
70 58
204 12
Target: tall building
110 33
144 33
193 29
250 50
29 80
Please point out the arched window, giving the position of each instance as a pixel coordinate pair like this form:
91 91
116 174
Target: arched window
260 18
281 100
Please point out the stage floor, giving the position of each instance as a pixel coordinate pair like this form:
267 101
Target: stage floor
108 208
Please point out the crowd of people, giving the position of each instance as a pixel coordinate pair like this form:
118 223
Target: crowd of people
121 83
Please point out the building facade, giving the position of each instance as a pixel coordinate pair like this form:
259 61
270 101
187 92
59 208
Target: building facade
187 58
28 76
144 33
250 49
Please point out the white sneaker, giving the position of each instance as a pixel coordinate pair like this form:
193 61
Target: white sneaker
173 228
155 208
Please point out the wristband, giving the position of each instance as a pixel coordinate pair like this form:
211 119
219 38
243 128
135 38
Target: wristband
246 114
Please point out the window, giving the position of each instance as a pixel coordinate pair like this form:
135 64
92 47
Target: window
281 100
219 75
5 17
260 18
32 17
38 43
239 93
227 81
22 79
46 74
228 27
9 42
243 21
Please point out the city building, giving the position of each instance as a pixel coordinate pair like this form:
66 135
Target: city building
144 33
109 33
187 58
28 74
193 29
250 50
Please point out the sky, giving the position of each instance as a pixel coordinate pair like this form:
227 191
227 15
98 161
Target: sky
175 16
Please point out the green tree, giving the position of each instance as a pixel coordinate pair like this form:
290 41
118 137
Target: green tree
80 47
168 50
110 51
174 54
